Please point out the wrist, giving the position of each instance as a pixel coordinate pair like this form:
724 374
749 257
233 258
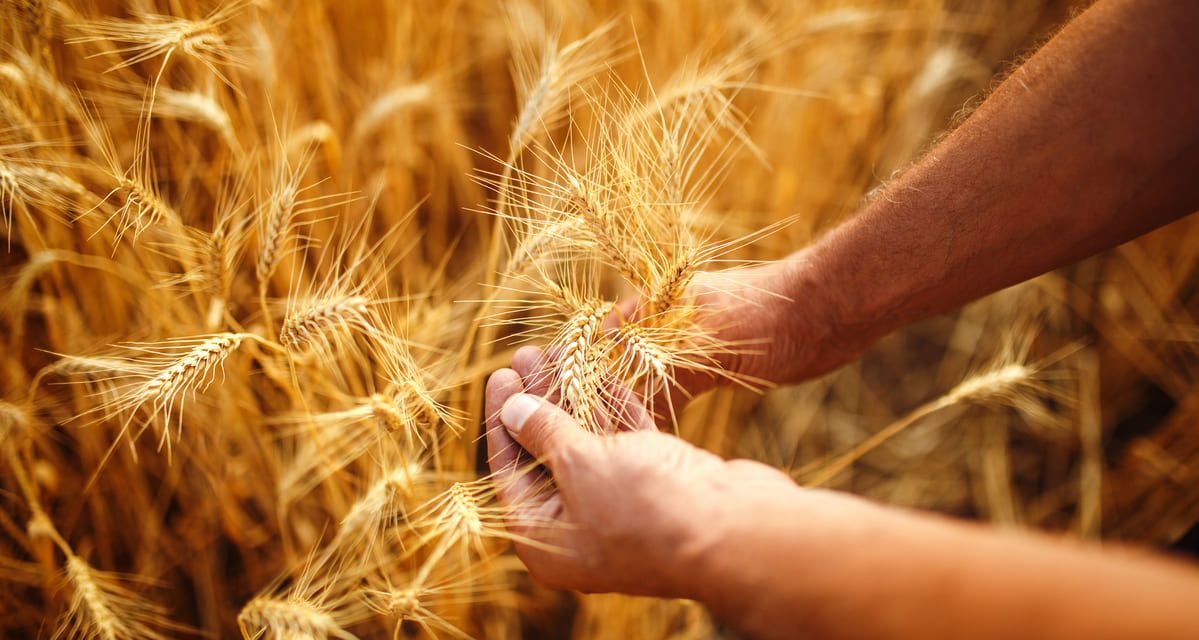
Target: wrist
750 511
776 568
743 556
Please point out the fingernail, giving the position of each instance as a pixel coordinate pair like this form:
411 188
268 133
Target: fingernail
517 410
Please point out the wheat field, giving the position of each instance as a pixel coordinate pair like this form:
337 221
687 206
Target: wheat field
260 257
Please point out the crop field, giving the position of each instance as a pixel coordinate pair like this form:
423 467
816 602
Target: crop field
259 258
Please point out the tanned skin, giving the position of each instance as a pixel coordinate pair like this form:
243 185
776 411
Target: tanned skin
1090 143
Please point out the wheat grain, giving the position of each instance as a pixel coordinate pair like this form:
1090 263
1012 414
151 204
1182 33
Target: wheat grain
543 84
154 383
155 35
266 618
305 325
671 287
576 377
101 608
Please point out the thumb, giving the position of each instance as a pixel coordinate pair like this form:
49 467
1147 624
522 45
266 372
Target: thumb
542 428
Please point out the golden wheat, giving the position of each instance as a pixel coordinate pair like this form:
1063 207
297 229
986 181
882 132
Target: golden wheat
273 234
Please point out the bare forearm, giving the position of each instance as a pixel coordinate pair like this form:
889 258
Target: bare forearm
826 565
1090 143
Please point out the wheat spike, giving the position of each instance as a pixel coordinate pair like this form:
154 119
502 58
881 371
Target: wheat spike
304 326
101 608
671 287
462 516
275 221
198 107
165 371
647 355
268 618
284 207
1007 381
142 206
155 35
416 604
576 353
535 246
543 83
389 103
602 231
332 440
379 505
191 372
25 185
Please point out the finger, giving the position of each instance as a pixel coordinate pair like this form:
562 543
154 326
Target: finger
514 471
620 408
628 409
501 449
543 429
535 369
622 313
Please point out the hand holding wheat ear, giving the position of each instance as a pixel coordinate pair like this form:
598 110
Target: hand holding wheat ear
626 511
776 324
643 512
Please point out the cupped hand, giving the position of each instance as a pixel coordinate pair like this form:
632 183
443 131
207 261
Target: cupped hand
628 511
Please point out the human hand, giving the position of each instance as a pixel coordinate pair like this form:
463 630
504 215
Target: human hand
629 511
774 324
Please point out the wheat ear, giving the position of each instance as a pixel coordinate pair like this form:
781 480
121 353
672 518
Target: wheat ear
1010 383
300 328
166 374
288 618
101 608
